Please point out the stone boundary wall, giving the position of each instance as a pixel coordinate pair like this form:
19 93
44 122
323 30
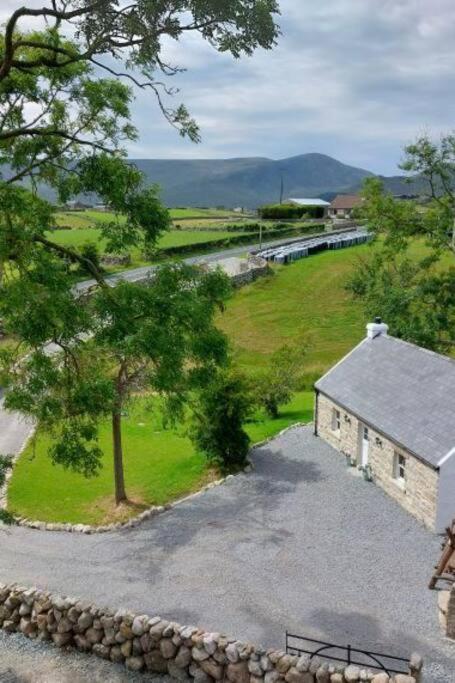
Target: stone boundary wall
446 605
186 653
256 267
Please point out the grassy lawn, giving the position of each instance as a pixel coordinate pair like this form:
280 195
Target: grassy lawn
160 466
307 297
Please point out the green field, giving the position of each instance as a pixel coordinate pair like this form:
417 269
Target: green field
91 218
172 238
162 465
306 298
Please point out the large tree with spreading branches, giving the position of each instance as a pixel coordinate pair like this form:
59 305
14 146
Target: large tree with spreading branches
68 73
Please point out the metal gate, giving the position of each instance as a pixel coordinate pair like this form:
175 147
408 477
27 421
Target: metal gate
389 664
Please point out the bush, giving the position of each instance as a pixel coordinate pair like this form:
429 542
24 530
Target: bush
290 211
284 376
90 251
6 517
218 418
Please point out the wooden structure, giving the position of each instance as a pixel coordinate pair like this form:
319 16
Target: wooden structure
445 569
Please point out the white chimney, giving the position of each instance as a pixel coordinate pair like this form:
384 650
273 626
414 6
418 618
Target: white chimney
377 329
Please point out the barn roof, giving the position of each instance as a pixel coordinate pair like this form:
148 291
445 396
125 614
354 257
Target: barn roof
403 391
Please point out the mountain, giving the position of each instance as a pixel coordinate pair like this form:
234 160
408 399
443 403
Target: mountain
252 181
248 182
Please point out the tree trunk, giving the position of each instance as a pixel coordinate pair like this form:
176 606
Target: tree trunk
120 493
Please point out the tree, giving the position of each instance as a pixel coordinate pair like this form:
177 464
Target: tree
159 336
219 414
283 376
415 293
65 93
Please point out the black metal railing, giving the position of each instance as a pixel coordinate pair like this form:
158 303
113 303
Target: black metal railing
296 645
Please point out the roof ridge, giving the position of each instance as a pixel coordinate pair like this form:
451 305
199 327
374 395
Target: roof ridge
416 346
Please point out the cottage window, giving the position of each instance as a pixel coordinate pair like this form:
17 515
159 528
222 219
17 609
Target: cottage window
399 468
336 420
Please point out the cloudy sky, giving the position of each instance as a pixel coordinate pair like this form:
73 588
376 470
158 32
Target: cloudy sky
355 79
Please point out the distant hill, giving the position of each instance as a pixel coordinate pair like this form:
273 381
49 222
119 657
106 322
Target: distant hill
253 181
248 182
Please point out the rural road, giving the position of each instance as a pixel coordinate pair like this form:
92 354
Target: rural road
300 543
134 274
14 430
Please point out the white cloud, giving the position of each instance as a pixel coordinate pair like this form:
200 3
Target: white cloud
352 78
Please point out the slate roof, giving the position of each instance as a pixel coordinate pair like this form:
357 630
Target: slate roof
346 201
407 393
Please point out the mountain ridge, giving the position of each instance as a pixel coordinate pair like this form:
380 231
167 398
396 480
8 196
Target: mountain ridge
252 181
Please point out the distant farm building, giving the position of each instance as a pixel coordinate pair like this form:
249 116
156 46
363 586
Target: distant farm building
343 205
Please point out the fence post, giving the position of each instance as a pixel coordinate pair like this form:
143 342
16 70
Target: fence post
349 653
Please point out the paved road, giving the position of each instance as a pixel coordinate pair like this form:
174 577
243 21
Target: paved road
134 274
14 430
300 543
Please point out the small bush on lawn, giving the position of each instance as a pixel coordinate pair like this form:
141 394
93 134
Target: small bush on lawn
284 376
218 418
6 517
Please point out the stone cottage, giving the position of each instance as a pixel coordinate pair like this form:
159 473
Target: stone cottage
389 407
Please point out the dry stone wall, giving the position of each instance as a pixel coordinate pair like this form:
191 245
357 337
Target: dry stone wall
186 653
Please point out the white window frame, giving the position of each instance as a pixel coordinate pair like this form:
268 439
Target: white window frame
336 420
399 468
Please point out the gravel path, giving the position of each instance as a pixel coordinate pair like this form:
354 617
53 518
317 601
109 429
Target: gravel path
299 544
26 661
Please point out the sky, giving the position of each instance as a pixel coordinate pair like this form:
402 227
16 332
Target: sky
354 79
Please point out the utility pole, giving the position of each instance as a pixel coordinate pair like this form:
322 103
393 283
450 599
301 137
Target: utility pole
282 189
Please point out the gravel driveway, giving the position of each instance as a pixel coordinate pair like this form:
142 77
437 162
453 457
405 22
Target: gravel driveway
27 661
299 544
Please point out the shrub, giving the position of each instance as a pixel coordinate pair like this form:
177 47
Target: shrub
277 211
90 251
218 418
6 517
284 376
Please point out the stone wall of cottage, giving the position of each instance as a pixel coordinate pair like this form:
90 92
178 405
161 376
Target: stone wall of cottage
446 606
186 653
419 494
